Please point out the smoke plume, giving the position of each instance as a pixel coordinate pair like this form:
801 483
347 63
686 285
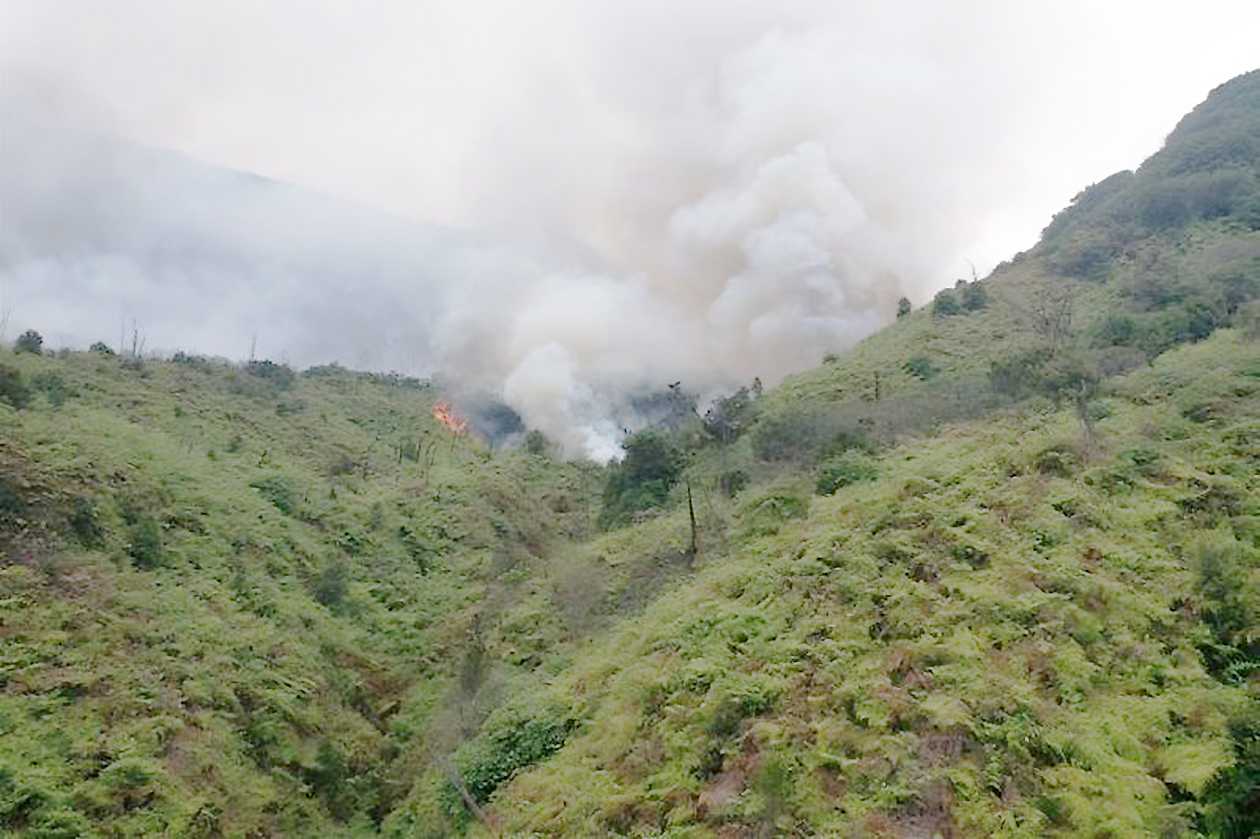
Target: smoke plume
563 204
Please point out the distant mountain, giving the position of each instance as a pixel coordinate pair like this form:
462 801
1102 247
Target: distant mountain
97 230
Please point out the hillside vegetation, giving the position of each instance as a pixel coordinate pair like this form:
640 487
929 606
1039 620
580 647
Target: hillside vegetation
994 571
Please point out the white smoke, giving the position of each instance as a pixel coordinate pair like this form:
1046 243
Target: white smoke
644 193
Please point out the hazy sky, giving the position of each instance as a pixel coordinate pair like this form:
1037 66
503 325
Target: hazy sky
440 110
760 178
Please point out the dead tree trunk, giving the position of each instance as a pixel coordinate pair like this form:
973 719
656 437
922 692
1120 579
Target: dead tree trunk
691 513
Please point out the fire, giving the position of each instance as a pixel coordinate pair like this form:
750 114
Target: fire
445 414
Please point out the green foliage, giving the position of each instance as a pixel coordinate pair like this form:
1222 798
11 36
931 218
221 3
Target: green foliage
280 376
732 482
729 416
1231 608
643 479
512 739
331 586
803 434
1116 331
536 443
1206 171
329 780
53 386
921 367
945 303
849 468
278 490
85 523
101 348
903 307
974 296
996 633
13 389
1231 802
766 514
1020 375
144 543
29 341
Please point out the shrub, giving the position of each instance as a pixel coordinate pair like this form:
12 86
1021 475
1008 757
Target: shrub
101 348
1019 375
53 386
903 307
279 375
1230 609
84 523
331 586
514 739
1237 285
732 482
145 545
279 491
196 362
536 443
797 434
29 341
842 471
974 297
12 389
328 779
1249 321
1058 460
946 303
765 515
1229 801
921 367
1116 331
11 504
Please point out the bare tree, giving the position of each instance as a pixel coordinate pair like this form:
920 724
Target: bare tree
1049 314
694 548
138 340
6 312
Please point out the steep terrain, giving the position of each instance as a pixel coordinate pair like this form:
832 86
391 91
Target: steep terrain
996 571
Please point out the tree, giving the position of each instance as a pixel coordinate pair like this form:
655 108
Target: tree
945 303
729 416
643 479
1049 315
903 307
974 297
536 443
29 341
1073 378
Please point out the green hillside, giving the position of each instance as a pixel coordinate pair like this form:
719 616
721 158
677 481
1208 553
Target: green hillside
994 571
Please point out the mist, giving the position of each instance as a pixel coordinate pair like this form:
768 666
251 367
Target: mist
563 205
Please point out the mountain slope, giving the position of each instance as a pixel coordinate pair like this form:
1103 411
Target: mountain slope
995 571
1029 608
1002 634
232 599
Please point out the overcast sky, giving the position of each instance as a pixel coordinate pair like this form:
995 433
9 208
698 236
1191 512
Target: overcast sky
438 110
765 175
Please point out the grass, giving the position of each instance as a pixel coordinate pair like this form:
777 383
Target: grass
237 601
964 643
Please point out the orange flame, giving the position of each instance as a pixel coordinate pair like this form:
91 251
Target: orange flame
445 414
